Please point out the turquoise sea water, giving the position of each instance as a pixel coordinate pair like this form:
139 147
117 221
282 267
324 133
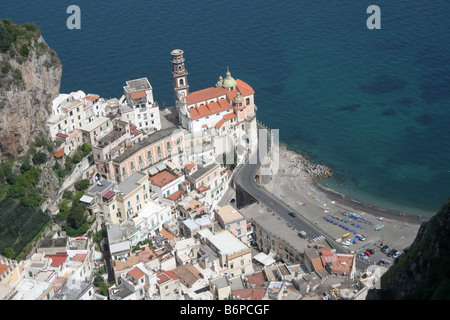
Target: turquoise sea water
374 105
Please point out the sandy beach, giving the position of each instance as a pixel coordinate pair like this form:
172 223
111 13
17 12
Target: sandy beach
297 188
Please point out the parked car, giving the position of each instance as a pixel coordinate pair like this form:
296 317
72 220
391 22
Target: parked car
387 251
361 236
391 252
362 255
384 262
396 255
371 251
367 253
302 234
385 247
292 214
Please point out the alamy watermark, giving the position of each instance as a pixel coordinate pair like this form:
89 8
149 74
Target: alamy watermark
374 21
74 20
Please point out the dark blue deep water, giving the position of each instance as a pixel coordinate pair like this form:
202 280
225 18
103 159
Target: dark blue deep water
374 105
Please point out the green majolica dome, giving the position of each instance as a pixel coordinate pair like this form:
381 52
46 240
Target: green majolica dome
220 82
229 81
238 98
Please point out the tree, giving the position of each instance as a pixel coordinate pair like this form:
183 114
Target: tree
5 38
26 165
67 194
24 51
104 289
98 280
82 184
86 148
33 199
76 217
78 156
9 253
63 210
39 158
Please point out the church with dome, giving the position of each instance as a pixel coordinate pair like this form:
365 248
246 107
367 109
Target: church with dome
224 115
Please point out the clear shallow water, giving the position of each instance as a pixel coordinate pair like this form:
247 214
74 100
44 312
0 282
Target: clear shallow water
371 104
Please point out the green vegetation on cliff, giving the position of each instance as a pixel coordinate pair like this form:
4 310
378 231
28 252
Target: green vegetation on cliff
424 271
20 36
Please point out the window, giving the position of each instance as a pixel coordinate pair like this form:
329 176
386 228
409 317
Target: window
247 101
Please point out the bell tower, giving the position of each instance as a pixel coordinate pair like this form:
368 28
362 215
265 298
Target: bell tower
179 73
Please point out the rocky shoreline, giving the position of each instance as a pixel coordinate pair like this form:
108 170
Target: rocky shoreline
301 165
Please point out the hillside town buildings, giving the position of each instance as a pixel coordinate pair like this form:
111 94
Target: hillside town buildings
156 187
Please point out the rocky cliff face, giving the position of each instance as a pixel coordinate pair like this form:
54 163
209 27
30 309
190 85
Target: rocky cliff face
424 271
27 85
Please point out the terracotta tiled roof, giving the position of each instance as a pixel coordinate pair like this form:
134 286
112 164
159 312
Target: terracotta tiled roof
59 153
249 294
189 166
79 257
244 88
220 123
62 135
317 263
136 273
229 116
205 94
257 279
166 234
57 259
137 94
172 275
3 268
176 195
134 131
188 273
327 252
108 194
202 188
162 178
92 97
209 109
164 276
343 264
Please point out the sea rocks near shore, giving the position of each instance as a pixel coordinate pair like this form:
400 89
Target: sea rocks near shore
301 165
